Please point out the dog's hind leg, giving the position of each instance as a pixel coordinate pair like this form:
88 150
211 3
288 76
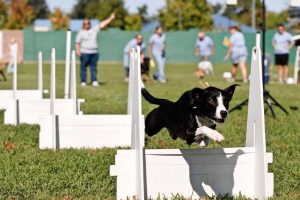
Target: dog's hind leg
152 123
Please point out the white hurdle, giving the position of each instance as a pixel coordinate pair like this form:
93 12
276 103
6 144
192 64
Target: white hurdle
29 110
296 66
85 131
194 173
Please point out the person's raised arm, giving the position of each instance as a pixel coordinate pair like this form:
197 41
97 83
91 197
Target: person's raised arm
107 21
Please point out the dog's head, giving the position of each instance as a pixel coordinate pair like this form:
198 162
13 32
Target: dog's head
212 102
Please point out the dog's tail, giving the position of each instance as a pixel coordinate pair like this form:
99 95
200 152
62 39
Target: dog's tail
152 99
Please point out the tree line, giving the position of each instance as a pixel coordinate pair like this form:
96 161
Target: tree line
177 15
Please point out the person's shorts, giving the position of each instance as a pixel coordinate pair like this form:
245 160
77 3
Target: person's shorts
281 59
238 58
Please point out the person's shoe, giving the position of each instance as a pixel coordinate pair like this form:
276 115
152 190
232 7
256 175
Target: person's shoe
83 84
95 83
126 79
162 81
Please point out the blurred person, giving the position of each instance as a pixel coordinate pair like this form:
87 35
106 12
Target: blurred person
157 51
13 50
87 48
137 41
204 47
204 68
282 42
238 51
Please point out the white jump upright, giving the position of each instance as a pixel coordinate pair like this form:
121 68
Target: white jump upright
194 173
40 73
296 66
67 65
84 131
29 110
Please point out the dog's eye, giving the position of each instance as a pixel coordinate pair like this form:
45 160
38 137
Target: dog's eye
211 101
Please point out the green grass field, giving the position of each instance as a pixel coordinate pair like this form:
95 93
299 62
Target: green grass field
29 173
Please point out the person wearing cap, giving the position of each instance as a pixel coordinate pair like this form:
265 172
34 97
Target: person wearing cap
157 51
87 48
238 51
204 47
282 42
137 41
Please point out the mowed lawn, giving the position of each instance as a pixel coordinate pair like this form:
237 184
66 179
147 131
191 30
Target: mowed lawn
29 173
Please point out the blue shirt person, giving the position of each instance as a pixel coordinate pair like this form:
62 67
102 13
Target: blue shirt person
87 48
137 41
238 51
282 42
157 47
204 47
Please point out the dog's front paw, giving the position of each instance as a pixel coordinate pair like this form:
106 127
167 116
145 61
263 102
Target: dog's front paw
218 137
202 144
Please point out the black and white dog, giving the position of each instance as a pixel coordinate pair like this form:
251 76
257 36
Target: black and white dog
193 117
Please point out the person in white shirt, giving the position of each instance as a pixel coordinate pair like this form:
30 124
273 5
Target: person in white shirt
157 51
87 48
238 51
137 41
204 47
282 42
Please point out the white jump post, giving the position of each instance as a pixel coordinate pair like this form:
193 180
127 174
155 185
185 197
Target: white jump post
255 136
138 137
67 65
40 73
73 83
15 87
198 172
130 83
296 66
52 98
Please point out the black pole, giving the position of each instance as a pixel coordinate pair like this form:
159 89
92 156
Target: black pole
263 41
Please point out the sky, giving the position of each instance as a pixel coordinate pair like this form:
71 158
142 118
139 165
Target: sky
155 5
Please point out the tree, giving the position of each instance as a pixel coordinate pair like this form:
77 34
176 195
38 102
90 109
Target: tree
78 9
242 12
3 14
40 8
186 14
273 19
143 12
59 20
101 9
20 15
133 22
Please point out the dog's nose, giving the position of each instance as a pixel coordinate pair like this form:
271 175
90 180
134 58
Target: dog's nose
224 113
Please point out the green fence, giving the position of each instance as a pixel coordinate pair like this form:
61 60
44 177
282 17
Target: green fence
180 44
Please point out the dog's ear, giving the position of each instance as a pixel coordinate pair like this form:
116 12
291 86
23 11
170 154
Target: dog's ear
230 90
195 96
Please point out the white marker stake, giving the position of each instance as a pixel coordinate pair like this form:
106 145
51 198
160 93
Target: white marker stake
15 72
130 83
40 73
52 95
73 83
67 65
15 76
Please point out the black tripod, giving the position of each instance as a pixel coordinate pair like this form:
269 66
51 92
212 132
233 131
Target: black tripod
268 99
